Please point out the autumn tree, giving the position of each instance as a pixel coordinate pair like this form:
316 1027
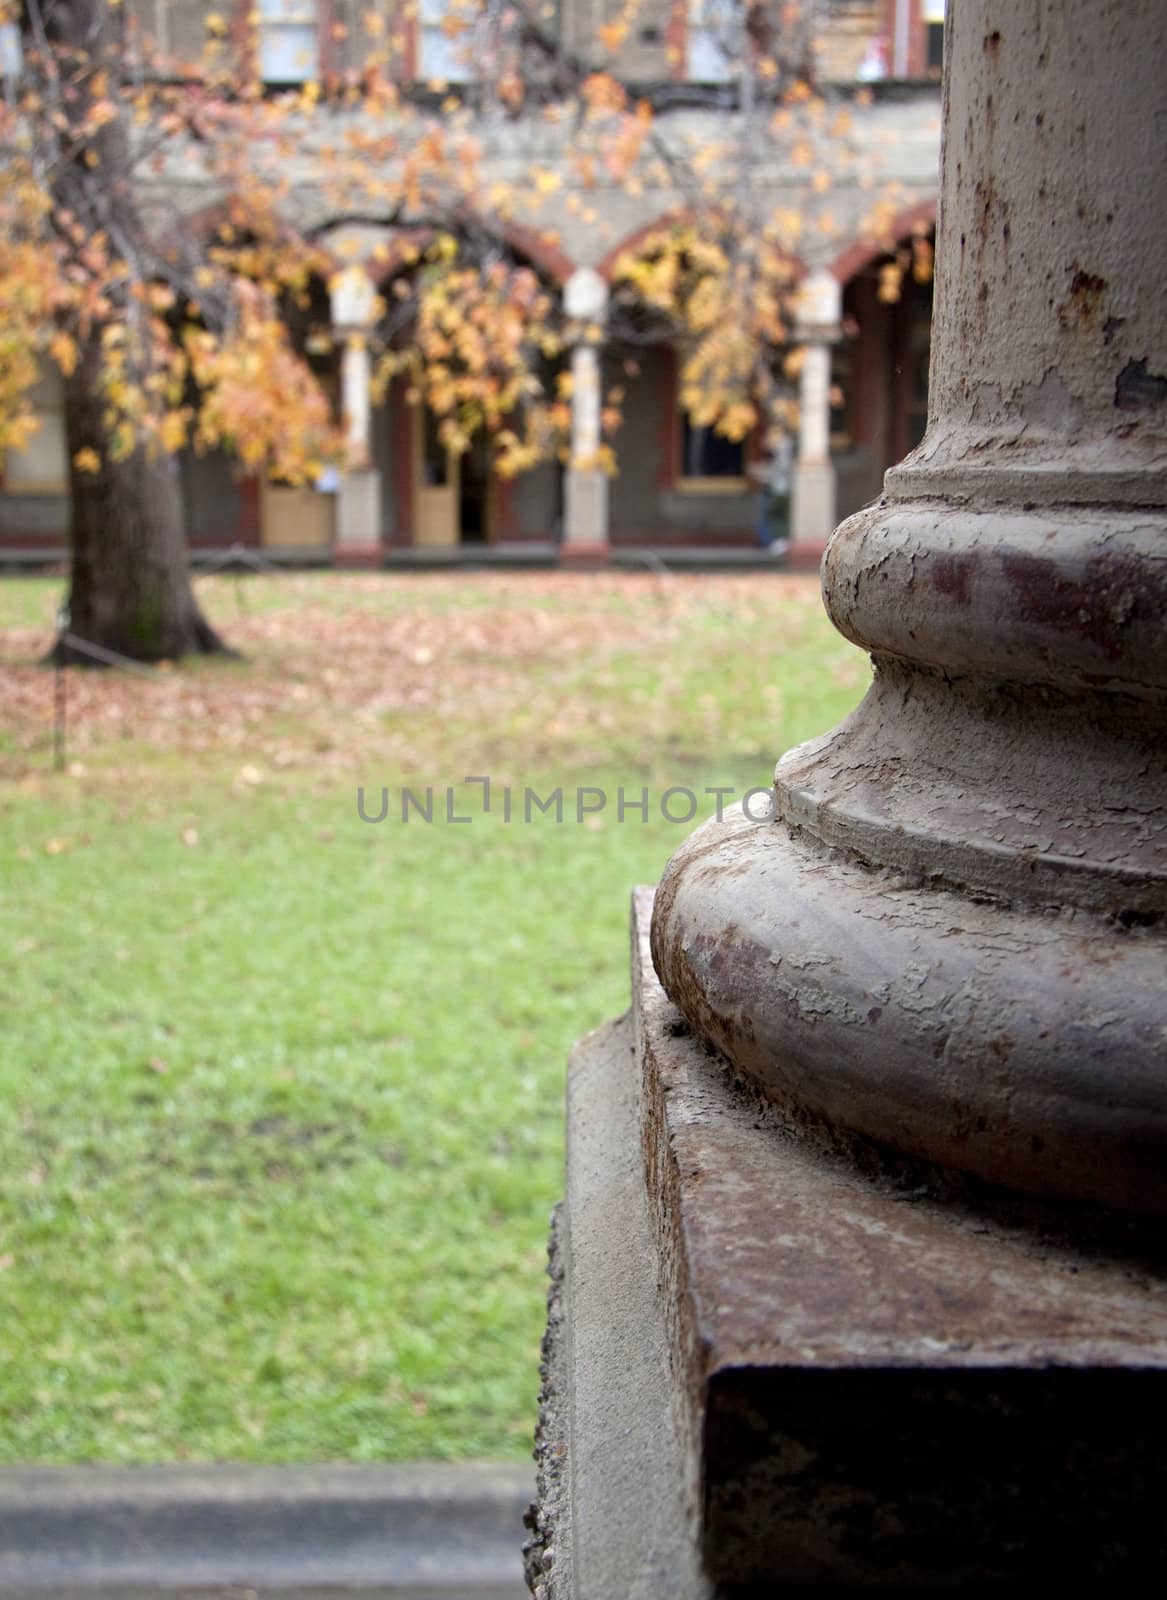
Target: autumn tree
130 588
157 341
171 335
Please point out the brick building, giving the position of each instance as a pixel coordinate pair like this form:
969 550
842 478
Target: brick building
864 376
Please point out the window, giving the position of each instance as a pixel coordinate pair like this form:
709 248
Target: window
710 463
445 50
288 41
11 57
713 40
42 467
157 28
932 15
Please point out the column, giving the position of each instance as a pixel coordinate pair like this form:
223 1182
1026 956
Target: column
356 404
358 509
1011 588
585 526
813 491
876 1168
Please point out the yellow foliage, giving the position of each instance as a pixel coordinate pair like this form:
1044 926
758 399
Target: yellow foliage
475 342
724 286
63 350
259 399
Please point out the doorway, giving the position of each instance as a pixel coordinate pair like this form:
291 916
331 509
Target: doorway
452 493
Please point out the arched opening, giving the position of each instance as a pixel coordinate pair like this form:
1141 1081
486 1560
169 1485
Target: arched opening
879 369
437 498
225 502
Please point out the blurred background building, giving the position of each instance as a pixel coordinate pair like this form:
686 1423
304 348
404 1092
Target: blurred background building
864 377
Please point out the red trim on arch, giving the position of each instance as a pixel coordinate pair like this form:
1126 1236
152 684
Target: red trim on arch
862 252
677 40
670 219
542 252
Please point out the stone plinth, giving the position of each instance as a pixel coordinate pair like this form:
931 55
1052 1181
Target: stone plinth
358 520
770 1362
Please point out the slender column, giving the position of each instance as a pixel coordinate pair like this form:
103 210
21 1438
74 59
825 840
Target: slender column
952 935
355 375
585 527
814 398
813 503
358 510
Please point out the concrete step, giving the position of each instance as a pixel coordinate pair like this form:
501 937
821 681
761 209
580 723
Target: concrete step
421 1532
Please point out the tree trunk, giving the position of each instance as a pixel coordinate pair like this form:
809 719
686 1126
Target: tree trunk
130 587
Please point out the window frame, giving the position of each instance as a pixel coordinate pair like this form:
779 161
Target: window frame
424 28
695 27
293 14
43 488
707 483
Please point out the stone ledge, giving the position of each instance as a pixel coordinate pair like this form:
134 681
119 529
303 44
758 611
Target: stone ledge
612 1521
224 1532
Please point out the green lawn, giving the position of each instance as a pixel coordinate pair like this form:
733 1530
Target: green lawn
283 1089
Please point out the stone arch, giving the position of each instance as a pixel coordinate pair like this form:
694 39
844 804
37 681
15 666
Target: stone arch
863 251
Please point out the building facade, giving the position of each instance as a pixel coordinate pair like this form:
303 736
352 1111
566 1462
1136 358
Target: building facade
864 322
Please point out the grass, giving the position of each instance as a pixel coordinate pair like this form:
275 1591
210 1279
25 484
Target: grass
283 1089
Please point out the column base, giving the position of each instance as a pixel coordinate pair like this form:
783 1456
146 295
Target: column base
767 1364
358 555
585 553
812 505
806 555
585 522
358 520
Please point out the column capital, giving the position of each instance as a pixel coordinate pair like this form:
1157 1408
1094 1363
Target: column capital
818 308
352 299
585 295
